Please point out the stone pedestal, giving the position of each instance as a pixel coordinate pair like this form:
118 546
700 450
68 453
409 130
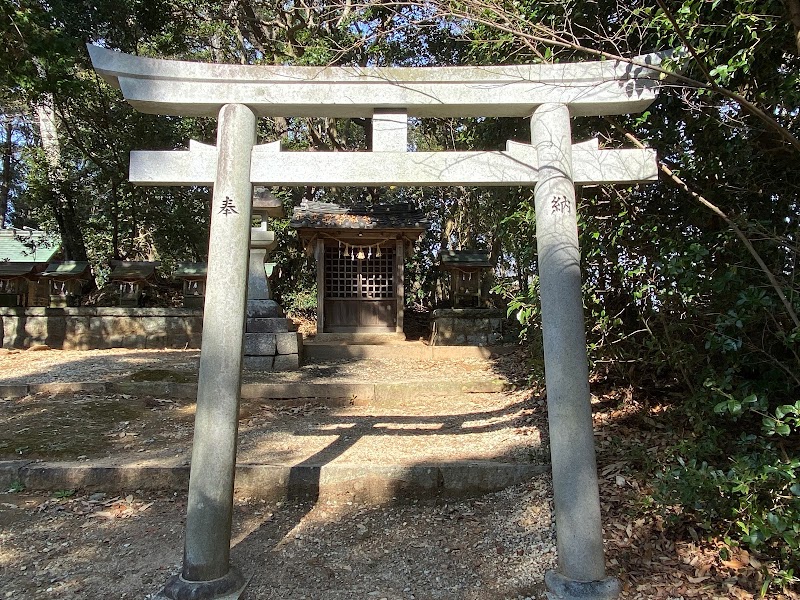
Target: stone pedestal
270 341
469 327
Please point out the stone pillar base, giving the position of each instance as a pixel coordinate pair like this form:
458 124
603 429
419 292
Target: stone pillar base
229 587
560 587
270 343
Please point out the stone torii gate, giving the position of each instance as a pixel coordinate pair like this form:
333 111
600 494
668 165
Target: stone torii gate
238 95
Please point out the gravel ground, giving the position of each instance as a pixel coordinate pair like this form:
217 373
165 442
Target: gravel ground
27 366
68 545
492 547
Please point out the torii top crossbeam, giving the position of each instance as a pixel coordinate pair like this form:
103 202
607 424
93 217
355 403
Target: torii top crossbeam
170 87
388 96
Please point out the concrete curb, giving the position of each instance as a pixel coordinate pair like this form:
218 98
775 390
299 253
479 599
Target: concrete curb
347 481
381 394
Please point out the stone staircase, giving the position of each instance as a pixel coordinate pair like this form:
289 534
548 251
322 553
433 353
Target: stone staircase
379 422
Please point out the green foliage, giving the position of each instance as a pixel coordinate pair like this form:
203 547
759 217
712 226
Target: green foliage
673 299
752 501
300 301
16 487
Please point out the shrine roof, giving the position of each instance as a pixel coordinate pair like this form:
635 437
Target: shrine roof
27 245
132 271
327 215
465 258
68 269
191 271
12 270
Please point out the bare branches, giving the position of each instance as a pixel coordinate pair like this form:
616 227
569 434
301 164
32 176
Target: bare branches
532 34
541 40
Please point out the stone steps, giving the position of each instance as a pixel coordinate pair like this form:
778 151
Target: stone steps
315 351
359 483
448 444
363 437
334 394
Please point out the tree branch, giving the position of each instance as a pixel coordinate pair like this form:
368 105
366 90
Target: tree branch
680 183
513 27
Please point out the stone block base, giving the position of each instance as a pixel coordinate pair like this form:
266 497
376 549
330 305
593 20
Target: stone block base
93 328
259 344
263 309
269 325
269 342
560 587
258 363
286 362
470 327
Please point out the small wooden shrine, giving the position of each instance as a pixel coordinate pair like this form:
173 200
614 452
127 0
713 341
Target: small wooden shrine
467 270
16 280
193 277
360 253
24 254
131 277
65 280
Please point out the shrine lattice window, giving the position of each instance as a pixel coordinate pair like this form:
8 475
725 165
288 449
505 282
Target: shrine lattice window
366 279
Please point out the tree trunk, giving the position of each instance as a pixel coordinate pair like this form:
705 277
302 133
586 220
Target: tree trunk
8 175
72 242
115 218
794 15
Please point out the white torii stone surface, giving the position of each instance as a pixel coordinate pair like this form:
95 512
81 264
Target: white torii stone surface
171 87
389 130
515 166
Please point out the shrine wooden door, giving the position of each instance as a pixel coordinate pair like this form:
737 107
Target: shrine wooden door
359 294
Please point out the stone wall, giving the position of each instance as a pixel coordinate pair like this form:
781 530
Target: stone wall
96 328
469 327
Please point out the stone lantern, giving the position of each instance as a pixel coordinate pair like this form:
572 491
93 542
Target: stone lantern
270 342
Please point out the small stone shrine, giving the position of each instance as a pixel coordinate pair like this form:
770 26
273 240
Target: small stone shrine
360 253
131 277
193 278
271 342
467 321
66 281
467 270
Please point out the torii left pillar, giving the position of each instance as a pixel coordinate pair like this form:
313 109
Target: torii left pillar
207 572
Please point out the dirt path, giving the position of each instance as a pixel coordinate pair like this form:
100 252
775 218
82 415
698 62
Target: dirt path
121 364
496 546
76 545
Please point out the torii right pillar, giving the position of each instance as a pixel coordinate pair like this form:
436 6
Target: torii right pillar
576 496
